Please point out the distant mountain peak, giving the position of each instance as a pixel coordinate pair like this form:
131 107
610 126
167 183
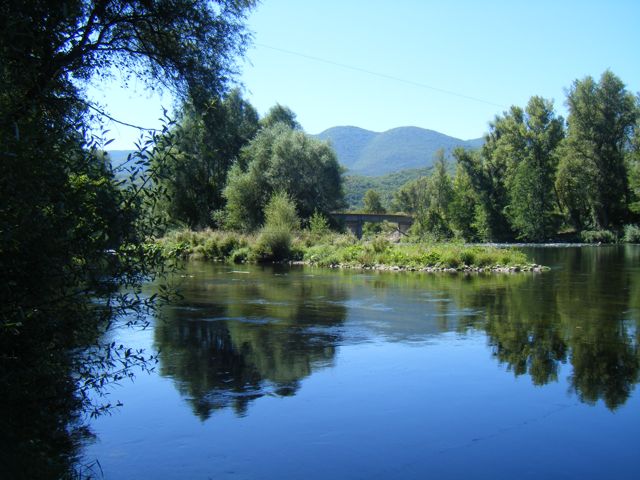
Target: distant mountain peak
376 153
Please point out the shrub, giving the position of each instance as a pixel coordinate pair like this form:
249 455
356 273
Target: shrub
281 219
380 244
631 234
318 224
274 244
280 212
241 255
598 236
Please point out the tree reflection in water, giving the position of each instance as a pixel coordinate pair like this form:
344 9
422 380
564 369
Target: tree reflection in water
229 343
238 337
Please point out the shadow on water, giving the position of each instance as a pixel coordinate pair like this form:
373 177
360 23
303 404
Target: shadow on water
242 333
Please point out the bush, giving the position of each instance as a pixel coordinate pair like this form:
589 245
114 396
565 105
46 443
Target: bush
380 244
631 234
598 236
318 224
274 244
241 255
281 219
280 213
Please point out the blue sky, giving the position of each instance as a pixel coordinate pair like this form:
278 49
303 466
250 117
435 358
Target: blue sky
446 66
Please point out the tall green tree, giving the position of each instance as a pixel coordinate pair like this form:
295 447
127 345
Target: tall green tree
204 144
464 207
532 162
601 119
282 159
633 168
487 173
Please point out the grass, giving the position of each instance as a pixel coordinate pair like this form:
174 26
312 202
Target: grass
345 251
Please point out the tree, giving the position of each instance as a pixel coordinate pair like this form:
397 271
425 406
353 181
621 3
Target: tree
463 207
532 162
372 203
486 174
602 116
280 114
428 199
633 169
412 196
282 159
72 237
204 146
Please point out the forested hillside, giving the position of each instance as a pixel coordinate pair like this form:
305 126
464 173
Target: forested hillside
364 152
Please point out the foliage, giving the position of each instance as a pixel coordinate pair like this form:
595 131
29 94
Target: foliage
463 207
318 224
633 169
355 186
281 220
601 119
631 234
530 146
598 236
282 159
279 114
72 249
429 199
416 256
372 203
204 142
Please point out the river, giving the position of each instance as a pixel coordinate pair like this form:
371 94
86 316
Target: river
303 373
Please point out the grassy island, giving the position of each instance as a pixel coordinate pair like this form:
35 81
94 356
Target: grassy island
335 250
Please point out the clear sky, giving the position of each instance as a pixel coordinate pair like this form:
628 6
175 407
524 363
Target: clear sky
449 66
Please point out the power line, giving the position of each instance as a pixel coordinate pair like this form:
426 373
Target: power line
381 75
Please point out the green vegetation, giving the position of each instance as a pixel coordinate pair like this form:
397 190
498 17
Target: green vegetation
355 186
533 178
276 243
72 248
281 159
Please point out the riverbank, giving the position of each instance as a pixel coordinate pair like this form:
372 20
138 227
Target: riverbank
345 251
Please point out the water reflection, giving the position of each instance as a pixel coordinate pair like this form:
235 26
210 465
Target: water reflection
238 336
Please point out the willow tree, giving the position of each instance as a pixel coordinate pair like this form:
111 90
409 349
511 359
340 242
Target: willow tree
282 159
602 116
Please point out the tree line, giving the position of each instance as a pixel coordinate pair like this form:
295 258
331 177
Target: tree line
537 176
221 165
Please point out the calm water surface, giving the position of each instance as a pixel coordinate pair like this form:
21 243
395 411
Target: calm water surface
307 373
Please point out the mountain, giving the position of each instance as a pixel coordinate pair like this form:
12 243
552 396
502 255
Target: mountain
369 153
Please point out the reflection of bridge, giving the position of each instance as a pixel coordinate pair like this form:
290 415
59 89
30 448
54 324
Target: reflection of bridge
355 221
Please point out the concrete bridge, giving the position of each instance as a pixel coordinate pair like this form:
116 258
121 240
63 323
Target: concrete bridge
355 221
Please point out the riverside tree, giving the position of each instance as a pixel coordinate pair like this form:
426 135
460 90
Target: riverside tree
530 144
200 152
602 116
71 235
280 159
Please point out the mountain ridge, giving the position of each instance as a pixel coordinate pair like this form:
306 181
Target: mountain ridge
364 152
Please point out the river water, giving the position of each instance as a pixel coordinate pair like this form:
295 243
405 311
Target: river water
307 373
